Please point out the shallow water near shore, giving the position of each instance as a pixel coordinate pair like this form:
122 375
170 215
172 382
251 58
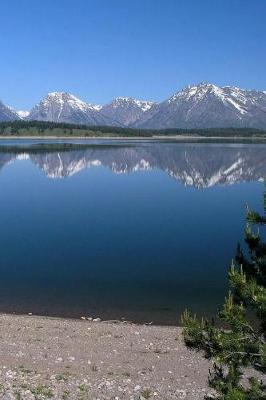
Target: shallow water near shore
122 229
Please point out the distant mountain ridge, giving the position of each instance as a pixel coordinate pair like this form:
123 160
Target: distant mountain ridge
125 111
208 106
195 107
7 114
65 107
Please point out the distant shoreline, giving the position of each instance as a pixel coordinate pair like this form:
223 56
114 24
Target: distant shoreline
140 138
47 130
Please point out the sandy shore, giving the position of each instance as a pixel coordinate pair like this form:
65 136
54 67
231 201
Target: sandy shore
78 359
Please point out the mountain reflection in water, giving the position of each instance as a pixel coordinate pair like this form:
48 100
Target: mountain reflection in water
198 165
120 229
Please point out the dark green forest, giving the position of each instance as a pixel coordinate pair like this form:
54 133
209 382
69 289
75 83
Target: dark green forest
43 128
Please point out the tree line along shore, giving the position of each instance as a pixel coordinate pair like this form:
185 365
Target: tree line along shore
54 129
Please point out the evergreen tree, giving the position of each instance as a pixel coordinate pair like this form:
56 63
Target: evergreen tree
239 339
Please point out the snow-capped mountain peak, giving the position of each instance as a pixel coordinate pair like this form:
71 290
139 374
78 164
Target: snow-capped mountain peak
208 106
196 92
64 97
7 113
23 114
65 107
125 111
144 105
203 105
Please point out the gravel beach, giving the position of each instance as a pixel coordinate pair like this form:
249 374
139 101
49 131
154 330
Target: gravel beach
56 358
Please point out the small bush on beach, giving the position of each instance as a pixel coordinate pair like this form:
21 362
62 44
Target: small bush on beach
42 391
240 342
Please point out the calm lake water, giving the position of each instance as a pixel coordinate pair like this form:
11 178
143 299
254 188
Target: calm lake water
115 229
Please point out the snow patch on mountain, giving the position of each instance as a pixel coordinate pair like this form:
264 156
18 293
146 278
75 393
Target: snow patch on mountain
23 114
200 106
125 111
7 113
65 107
208 106
144 105
63 98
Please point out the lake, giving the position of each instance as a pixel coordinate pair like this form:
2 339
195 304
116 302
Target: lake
138 230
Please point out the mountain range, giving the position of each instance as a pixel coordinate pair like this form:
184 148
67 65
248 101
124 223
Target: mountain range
200 106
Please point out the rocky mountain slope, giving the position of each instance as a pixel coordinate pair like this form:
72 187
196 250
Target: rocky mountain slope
200 106
7 114
208 106
23 114
125 111
64 107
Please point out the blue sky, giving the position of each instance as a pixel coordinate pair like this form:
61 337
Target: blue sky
100 49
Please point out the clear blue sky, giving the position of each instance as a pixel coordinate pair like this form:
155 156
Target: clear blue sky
100 49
